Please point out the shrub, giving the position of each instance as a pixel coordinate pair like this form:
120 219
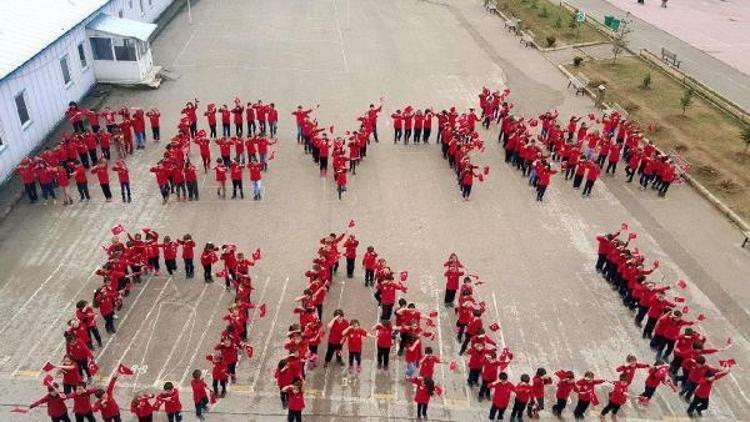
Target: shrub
558 22
646 84
551 40
577 60
544 12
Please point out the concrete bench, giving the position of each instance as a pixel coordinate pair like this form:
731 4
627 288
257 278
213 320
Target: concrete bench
747 238
490 6
579 82
512 24
669 57
527 38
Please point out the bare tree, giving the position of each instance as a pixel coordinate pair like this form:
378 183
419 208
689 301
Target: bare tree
620 42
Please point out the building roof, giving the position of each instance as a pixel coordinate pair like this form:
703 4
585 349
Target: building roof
122 27
28 27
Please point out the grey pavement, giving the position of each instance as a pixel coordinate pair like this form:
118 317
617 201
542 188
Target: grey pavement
721 77
536 259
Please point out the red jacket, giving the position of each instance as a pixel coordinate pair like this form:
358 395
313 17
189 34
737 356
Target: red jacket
55 405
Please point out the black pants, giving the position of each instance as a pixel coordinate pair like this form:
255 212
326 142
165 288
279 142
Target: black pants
106 191
397 133
649 328
698 405
156 134
417 135
426 135
94 333
238 129
212 129
31 191
450 296
496 412
109 323
174 417
189 267
577 179
484 391
587 188
518 408
207 277
83 191
580 409
540 192
226 129
217 383
559 406
323 164
63 418
92 155
387 310
383 356
349 267
539 402
422 410
237 184
473 378
201 406
407 135
115 418
125 191
663 188
612 166
294 416
614 408
369 277
78 127
648 392
355 357
85 417
153 262
331 350
171 265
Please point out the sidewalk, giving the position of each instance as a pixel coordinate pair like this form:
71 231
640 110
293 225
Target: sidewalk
720 76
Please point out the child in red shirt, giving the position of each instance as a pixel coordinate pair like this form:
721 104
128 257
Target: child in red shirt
353 335
200 395
425 389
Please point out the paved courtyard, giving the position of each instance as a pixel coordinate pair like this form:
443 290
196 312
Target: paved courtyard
536 259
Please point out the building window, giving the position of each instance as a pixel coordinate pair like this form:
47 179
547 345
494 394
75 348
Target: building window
102 48
130 4
65 70
82 56
119 14
23 112
125 52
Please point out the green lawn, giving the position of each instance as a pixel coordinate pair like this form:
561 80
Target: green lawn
546 19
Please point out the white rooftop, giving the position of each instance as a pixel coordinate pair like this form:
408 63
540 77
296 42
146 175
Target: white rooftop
28 26
123 27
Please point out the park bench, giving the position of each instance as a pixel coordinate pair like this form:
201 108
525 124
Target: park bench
512 24
527 38
490 6
669 57
747 238
579 82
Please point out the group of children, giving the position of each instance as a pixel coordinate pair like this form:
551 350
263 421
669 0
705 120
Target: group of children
680 347
127 263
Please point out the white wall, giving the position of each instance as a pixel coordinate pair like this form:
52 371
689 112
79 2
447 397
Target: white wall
46 95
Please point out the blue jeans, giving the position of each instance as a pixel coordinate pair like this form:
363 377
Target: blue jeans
411 369
256 188
48 191
140 139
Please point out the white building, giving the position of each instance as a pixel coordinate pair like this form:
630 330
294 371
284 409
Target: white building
54 51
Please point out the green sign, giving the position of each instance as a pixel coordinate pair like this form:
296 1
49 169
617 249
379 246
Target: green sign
581 16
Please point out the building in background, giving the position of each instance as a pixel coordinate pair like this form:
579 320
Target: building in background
53 52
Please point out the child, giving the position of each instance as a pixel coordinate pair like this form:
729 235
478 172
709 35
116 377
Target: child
56 409
369 262
540 380
63 181
200 395
123 175
295 400
703 391
82 402
617 397
101 171
452 274
425 389
153 117
476 361
585 388
353 334
170 254
284 377
523 392
171 399
565 386
219 374
351 254
191 181
413 353
384 335
142 407
106 403
187 254
501 396
340 181
427 363
221 178
336 329
208 258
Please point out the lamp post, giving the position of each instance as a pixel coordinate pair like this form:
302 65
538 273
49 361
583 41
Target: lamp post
190 13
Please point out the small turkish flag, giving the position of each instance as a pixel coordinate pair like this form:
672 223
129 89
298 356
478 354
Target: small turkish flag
19 410
533 123
728 363
146 229
117 229
494 326
352 223
681 284
438 390
262 309
506 91
592 116
701 317
632 236
452 366
272 156
430 323
212 397
249 351
624 226
257 255
482 304
433 314
48 367
93 368
331 128
404 275
685 309
679 299
486 170
48 380
221 273
124 370
481 177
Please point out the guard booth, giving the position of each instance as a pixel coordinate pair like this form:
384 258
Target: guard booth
121 50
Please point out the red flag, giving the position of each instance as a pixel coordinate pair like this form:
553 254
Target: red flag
685 309
486 170
624 226
632 236
124 370
249 351
93 368
331 128
452 366
728 363
433 314
117 229
352 223
221 273
592 116
272 156
679 299
257 255
494 326
404 275
681 284
482 304
533 122
262 310
48 380
701 317
480 177
438 390
430 323
212 397
48 367
19 410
